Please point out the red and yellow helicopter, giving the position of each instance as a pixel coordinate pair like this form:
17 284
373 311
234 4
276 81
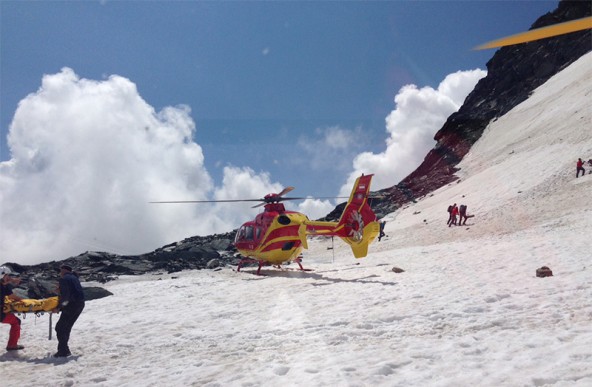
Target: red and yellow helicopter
277 235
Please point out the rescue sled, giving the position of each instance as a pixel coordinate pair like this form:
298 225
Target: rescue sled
30 305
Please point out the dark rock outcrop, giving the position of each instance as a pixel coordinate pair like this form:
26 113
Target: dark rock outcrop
40 281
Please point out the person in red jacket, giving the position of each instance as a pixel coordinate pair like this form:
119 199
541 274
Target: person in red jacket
453 215
580 167
8 278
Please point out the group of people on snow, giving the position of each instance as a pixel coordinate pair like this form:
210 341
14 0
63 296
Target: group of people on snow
70 306
461 212
455 211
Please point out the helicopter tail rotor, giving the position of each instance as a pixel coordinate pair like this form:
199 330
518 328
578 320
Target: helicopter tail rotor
358 225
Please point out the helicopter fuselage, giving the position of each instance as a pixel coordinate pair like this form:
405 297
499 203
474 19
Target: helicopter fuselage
275 236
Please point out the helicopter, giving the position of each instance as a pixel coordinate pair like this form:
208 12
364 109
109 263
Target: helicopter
277 236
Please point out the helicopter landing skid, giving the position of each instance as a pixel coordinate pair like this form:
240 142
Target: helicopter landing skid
298 260
264 263
251 260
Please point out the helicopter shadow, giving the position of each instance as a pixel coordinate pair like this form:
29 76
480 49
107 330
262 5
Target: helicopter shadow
322 279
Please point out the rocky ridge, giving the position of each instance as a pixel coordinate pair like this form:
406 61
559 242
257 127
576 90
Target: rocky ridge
198 252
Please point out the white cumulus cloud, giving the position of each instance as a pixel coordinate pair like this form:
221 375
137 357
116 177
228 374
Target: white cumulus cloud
418 115
86 158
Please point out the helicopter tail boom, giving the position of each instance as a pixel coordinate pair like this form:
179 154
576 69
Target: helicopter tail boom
358 225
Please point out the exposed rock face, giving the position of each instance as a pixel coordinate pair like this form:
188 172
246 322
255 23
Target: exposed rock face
40 281
512 75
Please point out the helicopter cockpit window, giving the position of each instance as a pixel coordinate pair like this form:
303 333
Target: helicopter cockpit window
258 233
249 232
240 235
245 233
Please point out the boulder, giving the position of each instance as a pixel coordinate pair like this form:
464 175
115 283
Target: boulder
544 272
213 263
94 293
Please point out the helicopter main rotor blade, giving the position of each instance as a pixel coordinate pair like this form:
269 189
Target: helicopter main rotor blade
280 199
210 201
540 33
316 197
285 191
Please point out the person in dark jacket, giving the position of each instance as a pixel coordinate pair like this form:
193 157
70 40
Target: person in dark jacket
450 208
382 234
462 214
71 304
8 278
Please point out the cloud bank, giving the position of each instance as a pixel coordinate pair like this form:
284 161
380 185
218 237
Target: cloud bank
88 156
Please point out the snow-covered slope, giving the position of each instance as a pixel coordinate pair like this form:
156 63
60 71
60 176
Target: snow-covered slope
467 311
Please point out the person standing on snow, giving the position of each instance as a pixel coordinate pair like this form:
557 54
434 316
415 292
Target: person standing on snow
70 304
580 167
453 215
382 234
462 213
7 279
450 207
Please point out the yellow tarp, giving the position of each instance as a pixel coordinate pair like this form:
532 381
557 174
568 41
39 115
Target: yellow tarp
30 305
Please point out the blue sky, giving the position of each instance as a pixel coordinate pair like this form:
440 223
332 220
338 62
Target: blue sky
277 93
